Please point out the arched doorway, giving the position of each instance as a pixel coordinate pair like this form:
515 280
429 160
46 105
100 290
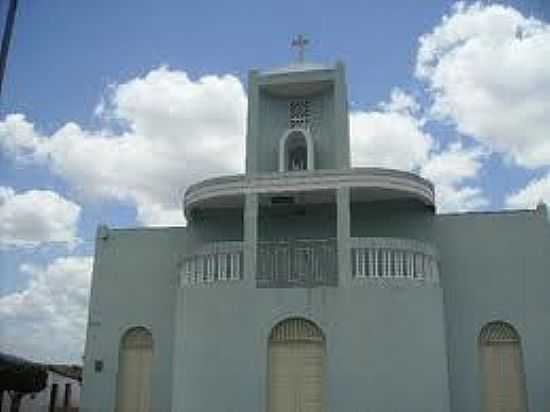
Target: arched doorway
134 371
297 367
502 368
296 151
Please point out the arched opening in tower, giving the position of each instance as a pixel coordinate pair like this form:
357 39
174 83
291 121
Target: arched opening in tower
296 149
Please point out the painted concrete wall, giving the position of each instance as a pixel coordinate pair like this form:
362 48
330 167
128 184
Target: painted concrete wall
215 225
273 122
134 284
297 222
388 347
496 266
385 346
392 218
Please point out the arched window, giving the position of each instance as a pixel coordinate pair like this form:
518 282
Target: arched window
502 368
134 371
296 151
297 367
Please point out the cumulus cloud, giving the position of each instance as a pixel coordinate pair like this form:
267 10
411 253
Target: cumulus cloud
391 136
486 67
36 217
453 172
394 136
46 321
534 192
178 131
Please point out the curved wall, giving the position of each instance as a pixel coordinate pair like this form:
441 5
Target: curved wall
385 345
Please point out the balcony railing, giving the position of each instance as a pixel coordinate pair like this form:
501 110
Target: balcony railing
388 258
214 262
297 263
311 263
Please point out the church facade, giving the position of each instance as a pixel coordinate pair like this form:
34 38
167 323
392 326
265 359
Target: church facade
308 285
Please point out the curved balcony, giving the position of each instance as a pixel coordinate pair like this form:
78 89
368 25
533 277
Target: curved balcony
392 261
213 262
366 184
310 263
297 263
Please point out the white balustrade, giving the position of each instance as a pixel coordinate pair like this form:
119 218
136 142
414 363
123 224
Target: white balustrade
387 258
215 262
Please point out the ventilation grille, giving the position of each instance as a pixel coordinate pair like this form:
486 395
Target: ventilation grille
299 113
295 330
498 332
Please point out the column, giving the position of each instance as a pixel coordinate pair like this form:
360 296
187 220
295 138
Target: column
343 235
252 134
341 118
250 246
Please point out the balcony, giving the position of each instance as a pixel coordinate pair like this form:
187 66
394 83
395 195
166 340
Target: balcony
313 263
367 184
393 261
297 263
213 263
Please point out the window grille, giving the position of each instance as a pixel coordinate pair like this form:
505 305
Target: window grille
299 113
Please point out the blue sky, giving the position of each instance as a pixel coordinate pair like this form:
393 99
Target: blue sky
104 103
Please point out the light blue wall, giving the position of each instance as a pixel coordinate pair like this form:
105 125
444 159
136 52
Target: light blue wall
385 346
496 266
273 122
388 347
134 284
407 219
297 222
216 225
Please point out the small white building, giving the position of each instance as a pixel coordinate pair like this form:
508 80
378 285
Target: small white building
62 392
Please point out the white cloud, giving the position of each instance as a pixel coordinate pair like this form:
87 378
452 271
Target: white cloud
394 137
390 137
47 320
178 131
529 197
487 69
453 172
36 217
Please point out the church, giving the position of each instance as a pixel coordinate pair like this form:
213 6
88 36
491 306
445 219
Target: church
306 285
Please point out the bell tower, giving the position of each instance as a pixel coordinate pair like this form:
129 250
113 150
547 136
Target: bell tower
297 118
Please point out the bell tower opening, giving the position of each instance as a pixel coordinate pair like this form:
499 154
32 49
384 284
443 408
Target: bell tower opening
296 151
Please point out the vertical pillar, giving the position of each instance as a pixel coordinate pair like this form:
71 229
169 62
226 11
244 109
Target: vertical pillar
250 236
252 134
341 118
343 235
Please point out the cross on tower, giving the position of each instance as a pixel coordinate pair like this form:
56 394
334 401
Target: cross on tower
300 42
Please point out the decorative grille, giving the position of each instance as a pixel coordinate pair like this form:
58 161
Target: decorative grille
299 113
296 329
498 332
297 263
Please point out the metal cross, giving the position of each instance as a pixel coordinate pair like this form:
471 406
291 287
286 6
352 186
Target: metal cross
300 42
